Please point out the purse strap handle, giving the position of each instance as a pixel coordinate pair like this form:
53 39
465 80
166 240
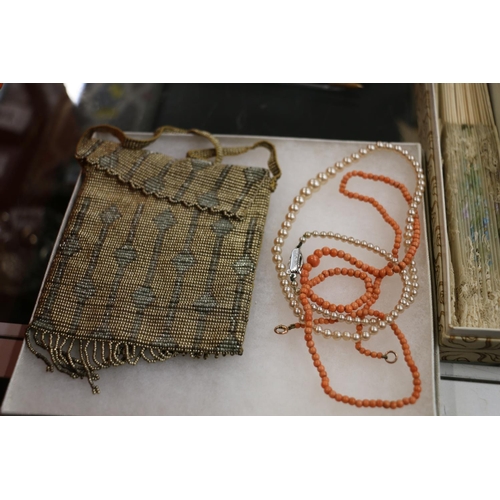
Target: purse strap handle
130 143
217 152
272 163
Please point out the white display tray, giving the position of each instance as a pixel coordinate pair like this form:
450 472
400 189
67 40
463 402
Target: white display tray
275 375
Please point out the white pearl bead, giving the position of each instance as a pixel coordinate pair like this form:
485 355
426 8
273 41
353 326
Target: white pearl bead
365 336
293 303
400 308
371 147
290 296
283 232
314 184
284 282
280 266
294 207
394 314
382 324
298 312
339 165
276 249
373 330
355 156
347 160
286 224
327 333
363 151
337 335
349 319
322 234
299 200
315 234
290 216
287 289
330 171
356 337
346 335
411 158
277 258
306 192
279 241
398 148
322 177
319 329
282 274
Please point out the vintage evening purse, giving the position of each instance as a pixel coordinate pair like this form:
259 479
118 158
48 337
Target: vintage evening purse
157 257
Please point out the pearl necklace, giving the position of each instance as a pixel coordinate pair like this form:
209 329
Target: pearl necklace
352 314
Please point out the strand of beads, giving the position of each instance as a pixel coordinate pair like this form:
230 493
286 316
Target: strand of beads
313 186
305 298
304 301
327 310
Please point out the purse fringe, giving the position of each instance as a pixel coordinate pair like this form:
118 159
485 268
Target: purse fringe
80 358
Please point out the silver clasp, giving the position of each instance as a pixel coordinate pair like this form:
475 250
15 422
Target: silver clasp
295 263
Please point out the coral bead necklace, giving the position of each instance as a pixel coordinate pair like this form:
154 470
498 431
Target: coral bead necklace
297 283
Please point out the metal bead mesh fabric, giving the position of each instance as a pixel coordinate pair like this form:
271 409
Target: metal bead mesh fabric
157 259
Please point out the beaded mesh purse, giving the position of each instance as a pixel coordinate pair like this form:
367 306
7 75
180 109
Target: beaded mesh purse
157 257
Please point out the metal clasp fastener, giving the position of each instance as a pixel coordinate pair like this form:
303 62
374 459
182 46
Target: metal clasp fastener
283 329
295 263
386 357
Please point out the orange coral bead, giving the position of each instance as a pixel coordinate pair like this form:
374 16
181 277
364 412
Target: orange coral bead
313 260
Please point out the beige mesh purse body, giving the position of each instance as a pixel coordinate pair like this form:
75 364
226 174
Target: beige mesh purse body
157 258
